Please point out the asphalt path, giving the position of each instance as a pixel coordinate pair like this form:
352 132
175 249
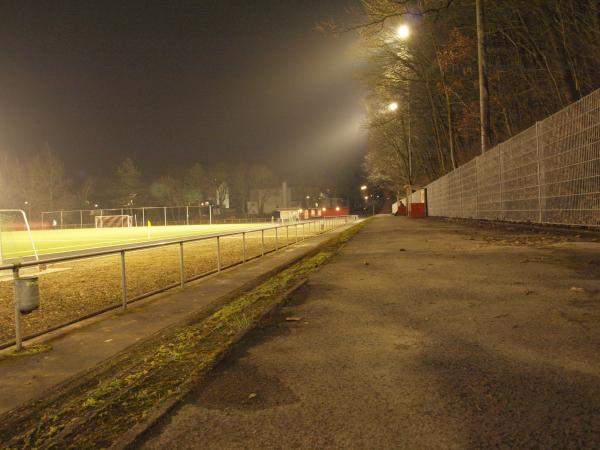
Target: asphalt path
419 334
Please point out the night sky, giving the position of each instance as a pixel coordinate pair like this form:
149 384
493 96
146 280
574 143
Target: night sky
173 82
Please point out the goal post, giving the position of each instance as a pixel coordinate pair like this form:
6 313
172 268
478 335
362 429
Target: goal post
14 221
115 221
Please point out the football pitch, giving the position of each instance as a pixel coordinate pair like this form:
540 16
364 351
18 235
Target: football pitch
17 244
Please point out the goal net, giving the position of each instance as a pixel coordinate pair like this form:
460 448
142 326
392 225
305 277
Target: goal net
16 240
117 221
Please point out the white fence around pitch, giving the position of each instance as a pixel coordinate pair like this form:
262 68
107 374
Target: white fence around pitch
549 173
218 252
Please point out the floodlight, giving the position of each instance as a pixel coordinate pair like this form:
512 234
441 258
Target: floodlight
393 106
403 32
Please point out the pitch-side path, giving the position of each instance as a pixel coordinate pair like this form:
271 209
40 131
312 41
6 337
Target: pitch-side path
419 334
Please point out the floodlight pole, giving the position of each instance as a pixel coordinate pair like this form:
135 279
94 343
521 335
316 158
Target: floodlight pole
484 104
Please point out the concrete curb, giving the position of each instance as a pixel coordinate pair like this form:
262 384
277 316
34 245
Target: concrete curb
131 437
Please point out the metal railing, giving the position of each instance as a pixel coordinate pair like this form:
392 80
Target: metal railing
549 173
282 236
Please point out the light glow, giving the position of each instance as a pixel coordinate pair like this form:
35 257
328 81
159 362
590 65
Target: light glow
403 32
393 106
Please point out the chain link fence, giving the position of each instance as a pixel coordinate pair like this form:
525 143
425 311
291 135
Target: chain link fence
156 215
549 173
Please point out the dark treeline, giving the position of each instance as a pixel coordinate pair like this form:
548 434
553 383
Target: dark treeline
42 183
541 56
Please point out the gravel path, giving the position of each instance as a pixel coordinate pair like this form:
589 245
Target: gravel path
420 334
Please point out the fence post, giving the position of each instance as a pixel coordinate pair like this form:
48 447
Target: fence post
61 220
165 213
81 218
276 239
477 187
244 247
181 265
18 337
539 179
187 215
287 235
462 191
218 254
501 177
143 217
262 242
296 229
123 281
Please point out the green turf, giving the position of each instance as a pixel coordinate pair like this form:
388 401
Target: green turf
16 244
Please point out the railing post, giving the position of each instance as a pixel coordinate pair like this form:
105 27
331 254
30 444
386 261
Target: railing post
123 281
243 247
181 265
218 254
462 205
276 240
303 231
262 242
18 337
296 230
539 178
287 235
